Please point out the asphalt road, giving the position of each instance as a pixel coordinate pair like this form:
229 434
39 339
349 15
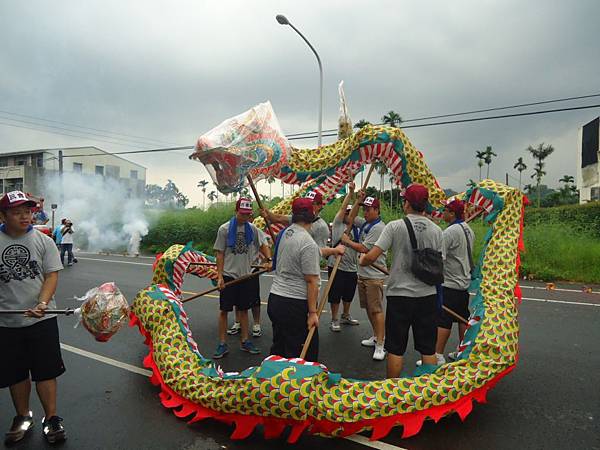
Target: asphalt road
550 401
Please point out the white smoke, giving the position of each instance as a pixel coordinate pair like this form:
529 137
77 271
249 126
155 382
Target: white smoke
104 217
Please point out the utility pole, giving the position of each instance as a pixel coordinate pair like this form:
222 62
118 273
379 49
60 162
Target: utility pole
507 178
60 176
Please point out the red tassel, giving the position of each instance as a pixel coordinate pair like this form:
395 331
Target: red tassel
465 409
412 425
382 427
244 426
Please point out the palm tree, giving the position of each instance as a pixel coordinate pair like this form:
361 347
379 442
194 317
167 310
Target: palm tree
392 179
520 166
212 196
567 179
540 153
202 184
382 170
392 119
361 123
480 157
488 154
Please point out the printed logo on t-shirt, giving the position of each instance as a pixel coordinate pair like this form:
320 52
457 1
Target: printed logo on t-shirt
419 227
241 248
17 264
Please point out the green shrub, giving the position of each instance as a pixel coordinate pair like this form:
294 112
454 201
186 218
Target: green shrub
585 218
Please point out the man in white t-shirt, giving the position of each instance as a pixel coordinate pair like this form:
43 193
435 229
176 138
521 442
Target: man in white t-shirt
458 244
66 243
411 302
292 305
370 280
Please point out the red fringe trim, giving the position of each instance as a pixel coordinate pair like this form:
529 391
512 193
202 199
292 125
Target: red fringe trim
274 427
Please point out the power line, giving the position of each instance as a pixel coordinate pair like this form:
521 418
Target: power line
149 140
474 119
498 108
448 122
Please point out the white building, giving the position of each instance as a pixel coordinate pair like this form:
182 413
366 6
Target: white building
26 170
588 166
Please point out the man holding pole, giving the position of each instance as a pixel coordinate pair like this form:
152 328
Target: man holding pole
235 255
411 302
319 230
292 304
344 285
458 245
370 280
30 346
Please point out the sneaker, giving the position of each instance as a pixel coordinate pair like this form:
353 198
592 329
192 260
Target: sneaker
348 320
248 346
440 360
256 330
69 264
379 353
335 325
371 342
221 351
53 430
20 426
235 329
453 356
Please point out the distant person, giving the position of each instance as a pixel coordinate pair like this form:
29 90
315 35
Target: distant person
237 244
458 245
57 232
411 302
39 216
344 284
66 243
294 293
30 346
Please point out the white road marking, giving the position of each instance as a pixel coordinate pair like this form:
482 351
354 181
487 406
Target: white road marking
269 275
545 300
105 360
116 261
359 439
147 373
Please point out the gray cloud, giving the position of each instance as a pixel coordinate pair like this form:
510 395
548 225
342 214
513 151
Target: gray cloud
173 70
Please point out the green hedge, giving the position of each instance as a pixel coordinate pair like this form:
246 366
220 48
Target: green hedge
585 218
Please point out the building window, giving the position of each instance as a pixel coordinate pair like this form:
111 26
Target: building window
2 186
133 174
595 194
3 162
78 167
100 170
14 184
20 160
39 160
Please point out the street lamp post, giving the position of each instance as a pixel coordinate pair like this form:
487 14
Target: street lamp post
284 21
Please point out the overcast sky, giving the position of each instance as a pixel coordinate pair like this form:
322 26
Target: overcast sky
171 70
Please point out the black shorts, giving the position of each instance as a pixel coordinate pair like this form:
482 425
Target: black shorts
31 350
402 313
343 287
288 318
241 295
457 301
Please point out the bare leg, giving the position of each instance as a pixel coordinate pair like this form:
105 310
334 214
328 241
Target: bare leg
237 315
394 365
46 391
335 307
346 308
379 326
222 326
371 317
256 314
429 359
20 393
442 339
243 317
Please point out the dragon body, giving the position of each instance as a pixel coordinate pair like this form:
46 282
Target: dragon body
306 396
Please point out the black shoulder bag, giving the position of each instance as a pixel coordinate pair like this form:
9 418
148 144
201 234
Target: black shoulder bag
427 264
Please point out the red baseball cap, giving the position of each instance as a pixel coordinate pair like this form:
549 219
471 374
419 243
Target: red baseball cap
244 205
16 198
416 194
455 205
371 201
316 197
302 205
